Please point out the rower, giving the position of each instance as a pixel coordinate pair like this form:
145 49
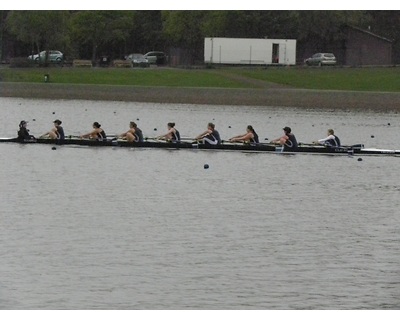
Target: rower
288 140
172 134
249 137
23 132
330 141
56 133
97 133
134 134
210 136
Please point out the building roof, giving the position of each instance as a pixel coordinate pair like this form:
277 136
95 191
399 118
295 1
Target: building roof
369 33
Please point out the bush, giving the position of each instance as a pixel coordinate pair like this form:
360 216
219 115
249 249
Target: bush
21 62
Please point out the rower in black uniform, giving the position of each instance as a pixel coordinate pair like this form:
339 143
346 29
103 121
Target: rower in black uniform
97 134
23 132
210 136
56 133
288 140
134 134
249 137
172 135
331 140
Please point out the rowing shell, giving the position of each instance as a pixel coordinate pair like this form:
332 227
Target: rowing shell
317 149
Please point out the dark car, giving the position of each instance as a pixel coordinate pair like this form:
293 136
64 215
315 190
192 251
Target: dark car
321 59
156 57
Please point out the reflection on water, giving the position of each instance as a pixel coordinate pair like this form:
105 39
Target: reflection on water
113 228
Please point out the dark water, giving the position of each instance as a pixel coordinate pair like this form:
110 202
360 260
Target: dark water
114 228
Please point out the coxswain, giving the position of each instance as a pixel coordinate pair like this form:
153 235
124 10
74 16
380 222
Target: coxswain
210 136
288 140
172 134
56 133
331 140
249 137
23 132
134 134
97 133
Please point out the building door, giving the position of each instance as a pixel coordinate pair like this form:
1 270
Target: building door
275 53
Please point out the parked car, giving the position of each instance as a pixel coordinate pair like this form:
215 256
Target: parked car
156 57
54 56
138 60
320 59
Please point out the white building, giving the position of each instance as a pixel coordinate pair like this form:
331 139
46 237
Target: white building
250 51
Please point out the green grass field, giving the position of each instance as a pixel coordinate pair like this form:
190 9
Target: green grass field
328 78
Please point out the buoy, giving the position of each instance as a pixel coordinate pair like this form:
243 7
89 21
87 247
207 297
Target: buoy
206 166
53 148
389 124
137 119
33 119
266 139
229 127
155 129
54 112
372 136
359 159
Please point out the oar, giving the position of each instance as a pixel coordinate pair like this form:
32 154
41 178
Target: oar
250 143
153 138
189 139
351 147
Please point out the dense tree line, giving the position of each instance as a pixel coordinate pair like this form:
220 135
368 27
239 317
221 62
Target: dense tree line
90 34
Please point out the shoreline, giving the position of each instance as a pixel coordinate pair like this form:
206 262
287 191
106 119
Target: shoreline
284 97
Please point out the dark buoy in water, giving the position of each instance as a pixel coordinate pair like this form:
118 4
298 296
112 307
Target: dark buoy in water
266 139
359 159
206 166
54 112
53 148
137 119
229 127
33 119
155 129
389 124
372 136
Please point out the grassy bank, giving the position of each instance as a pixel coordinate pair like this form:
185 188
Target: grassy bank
149 77
359 79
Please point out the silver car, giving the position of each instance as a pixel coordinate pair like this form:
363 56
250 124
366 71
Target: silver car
321 59
54 56
138 60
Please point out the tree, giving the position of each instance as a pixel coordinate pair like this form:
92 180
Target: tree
184 29
96 28
41 29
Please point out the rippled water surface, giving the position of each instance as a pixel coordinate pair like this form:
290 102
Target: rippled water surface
118 228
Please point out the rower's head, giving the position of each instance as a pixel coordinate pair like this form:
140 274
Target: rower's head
57 122
211 126
132 124
331 132
23 123
171 124
287 130
250 128
96 125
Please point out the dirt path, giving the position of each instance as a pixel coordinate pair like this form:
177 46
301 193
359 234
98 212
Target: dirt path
264 96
